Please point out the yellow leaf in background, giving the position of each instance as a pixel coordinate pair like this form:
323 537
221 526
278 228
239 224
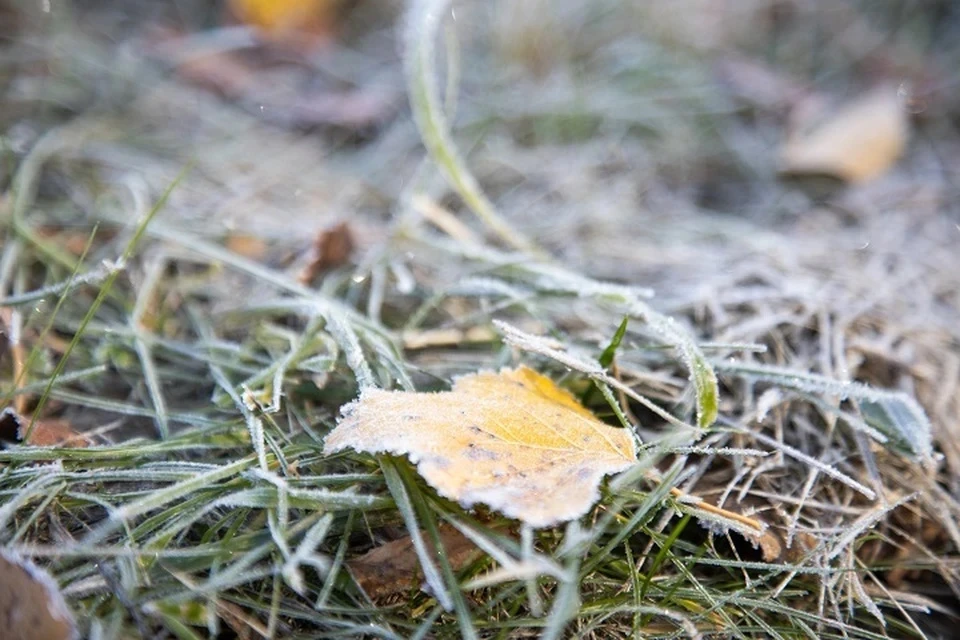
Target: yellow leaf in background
858 142
283 17
512 440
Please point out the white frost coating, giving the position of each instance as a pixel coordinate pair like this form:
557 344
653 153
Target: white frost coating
514 572
306 554
816 464
767 401
558 279
544 346
534 344
717 524
488 287
701 373
93 277
711 451
340 330
906 416
863 523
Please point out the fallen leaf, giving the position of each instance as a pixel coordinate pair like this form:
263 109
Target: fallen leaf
762 526
300 22
394 567
74 240
45 433
773 546
31 607
246 245
331 248
511 440
858 142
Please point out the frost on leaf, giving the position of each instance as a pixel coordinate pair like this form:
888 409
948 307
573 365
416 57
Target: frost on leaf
511 440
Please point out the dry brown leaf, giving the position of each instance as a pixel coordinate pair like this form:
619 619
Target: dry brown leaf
247 245
511 440
858 142
31 607
768 529
45 433
773 547
394 567
331 248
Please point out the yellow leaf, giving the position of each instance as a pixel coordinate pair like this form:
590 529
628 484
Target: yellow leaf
511 440
280 17
858 142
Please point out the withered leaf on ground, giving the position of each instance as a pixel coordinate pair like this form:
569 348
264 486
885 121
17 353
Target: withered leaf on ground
301 23
511 440
394 567
331 248
857 142
45 433
31 607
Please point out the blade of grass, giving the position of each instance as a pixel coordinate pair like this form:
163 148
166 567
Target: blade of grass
422 26
102 294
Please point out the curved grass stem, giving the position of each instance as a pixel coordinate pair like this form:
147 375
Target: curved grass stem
423 23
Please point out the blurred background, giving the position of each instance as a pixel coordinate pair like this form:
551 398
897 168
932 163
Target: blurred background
798 154
693 146
581 119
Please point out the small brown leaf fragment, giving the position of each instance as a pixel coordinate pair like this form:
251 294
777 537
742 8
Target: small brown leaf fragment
858 142
512 440
31 607
768 535
246 245
770 545
394 567
331 248
45 433
57 433
74 240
